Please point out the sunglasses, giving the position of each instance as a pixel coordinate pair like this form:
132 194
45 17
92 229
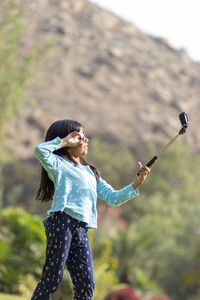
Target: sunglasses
82 136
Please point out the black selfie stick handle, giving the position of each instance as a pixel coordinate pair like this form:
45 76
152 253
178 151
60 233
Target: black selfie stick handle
150 163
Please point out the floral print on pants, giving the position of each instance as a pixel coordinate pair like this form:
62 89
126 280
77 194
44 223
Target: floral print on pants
67 244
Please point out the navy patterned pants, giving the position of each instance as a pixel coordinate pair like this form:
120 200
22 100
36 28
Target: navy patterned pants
67 244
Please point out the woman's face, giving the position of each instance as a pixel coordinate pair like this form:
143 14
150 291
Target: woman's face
81 149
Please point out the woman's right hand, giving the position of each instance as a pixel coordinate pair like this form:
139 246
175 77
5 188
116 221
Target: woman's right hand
72 140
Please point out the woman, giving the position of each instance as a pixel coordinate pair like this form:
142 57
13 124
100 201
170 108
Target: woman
73 186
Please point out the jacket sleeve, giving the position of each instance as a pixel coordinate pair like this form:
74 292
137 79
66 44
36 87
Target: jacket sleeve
45 155
115 197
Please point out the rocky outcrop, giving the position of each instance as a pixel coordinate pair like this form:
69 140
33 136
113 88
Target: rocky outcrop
120 83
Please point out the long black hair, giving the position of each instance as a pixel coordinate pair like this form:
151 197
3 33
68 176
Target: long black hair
60 129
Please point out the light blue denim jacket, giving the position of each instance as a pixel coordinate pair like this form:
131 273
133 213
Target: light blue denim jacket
76 188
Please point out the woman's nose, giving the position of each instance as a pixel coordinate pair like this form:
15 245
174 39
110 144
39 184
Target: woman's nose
86 140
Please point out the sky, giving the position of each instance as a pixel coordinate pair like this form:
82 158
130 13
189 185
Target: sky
178 21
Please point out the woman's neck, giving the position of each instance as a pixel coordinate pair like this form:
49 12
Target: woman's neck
76 159
73 159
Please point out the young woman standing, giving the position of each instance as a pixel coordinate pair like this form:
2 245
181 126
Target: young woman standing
73 185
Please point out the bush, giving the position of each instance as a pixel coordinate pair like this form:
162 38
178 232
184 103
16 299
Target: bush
22 250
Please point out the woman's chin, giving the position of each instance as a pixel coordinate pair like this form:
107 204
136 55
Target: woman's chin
84 152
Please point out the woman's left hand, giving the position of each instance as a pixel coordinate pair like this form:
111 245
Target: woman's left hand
143 172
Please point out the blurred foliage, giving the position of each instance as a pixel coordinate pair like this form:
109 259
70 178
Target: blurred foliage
105 266
116 163
22 240
123 292
158 250
10 297
20 182
172 211
177 168
17 69
160 298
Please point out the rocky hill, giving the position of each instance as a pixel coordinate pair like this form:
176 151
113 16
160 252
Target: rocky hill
120 83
